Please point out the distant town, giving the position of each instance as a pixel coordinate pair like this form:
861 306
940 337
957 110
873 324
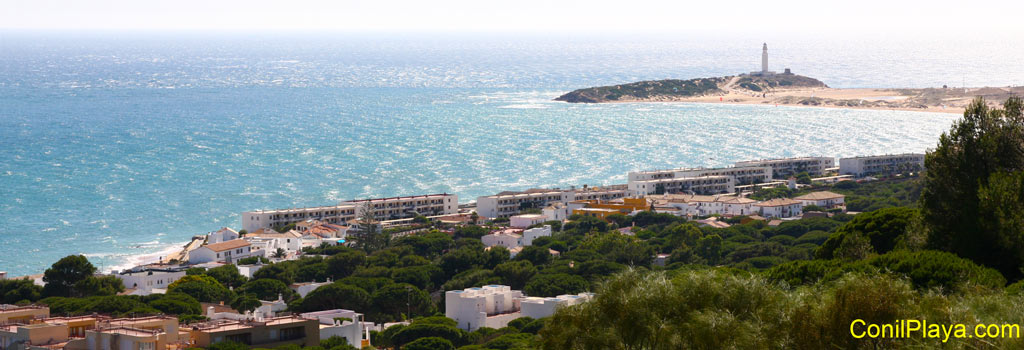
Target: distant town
513 221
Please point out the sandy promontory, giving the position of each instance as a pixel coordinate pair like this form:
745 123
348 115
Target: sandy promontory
790 90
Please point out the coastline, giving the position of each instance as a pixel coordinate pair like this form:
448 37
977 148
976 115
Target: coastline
931 100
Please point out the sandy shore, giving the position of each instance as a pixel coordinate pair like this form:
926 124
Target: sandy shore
938 100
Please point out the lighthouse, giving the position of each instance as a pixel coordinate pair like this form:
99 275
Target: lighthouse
764 59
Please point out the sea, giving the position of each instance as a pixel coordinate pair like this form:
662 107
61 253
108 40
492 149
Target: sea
122 146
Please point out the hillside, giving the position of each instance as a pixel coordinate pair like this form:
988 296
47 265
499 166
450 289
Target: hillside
674 89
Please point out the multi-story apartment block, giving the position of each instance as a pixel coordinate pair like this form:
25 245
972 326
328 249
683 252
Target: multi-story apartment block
344 212
700 185
260 333
783 168
510 203
881 165
741 174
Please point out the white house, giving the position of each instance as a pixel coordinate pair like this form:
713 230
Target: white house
739 206
557 211
249 270
824 199
304 288
229 252
526 220
271 241
543 307
534 233
779 208
347 324
506 238
149 281
488 306
223 235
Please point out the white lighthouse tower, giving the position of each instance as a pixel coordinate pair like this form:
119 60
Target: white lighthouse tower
764 59
764 62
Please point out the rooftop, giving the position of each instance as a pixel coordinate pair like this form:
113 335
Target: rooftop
782 159
227 245
820 195
777 202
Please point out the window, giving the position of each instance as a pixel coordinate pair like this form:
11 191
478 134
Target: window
147 346
292 333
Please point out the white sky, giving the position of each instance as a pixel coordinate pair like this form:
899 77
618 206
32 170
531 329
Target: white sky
767 16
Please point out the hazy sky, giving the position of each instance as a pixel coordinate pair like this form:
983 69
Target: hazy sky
819 16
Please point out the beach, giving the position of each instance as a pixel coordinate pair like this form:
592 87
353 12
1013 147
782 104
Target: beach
936 100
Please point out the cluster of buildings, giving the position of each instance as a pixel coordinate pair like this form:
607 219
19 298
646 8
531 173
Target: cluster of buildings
32 327
494 306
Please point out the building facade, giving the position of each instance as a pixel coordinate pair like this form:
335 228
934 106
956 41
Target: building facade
228 252
488 306
344 212
699 185
783 168
882 165
507 204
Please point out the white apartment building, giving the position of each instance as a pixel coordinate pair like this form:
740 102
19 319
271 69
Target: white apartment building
536 307
509 203
881 165
780 208
783 168
488 306
229 252
699 185
150 281
741 175
383 208
824 199
347 324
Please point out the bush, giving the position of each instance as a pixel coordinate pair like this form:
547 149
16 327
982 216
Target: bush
549 285
429 343
885 228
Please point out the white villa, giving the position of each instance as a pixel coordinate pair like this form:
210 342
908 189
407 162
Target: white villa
488 306
824 199
536 307
229 252
779 208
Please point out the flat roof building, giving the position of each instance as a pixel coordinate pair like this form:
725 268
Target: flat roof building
700 185
490 306
344 212
888 164
265 333
13 313
509 203
783 168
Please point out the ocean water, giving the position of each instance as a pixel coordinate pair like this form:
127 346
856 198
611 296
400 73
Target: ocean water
123 147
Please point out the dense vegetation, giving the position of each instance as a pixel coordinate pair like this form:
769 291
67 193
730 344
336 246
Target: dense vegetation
644 90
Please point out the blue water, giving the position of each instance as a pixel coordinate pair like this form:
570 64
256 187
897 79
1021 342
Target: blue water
121 146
